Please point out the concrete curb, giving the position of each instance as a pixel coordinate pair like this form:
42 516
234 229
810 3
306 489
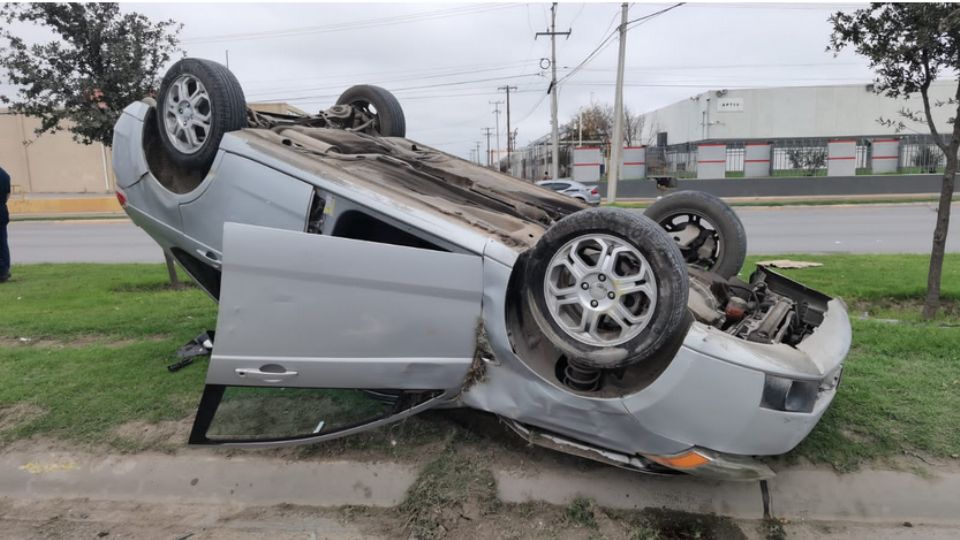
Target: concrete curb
203 479
795 494
65 205
615 488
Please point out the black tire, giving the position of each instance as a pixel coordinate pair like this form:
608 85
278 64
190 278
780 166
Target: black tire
390 121
667 265
729 236
226 105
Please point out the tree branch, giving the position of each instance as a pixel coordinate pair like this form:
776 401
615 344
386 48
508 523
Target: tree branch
924 93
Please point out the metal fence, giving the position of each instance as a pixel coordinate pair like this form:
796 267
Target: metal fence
788 157
800 156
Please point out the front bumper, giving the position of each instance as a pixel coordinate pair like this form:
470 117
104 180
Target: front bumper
712 395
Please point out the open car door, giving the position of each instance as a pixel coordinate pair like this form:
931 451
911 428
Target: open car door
320 337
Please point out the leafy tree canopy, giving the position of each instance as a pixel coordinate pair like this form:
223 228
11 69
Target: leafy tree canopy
908 47
99 61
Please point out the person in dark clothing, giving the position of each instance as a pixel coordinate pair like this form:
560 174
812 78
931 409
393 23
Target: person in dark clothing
4 220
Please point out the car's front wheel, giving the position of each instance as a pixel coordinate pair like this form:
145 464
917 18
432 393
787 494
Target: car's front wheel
607 287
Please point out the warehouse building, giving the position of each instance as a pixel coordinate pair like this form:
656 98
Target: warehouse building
844 111
793 131
838 130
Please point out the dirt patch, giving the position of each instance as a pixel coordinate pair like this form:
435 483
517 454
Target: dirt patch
86 340
859 438
165 436
159 286
949 307
17 414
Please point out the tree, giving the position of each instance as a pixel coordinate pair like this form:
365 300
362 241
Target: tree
598 125
908 46
100 60
810 160
632 127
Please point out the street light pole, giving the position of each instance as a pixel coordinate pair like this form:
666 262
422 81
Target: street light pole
616 148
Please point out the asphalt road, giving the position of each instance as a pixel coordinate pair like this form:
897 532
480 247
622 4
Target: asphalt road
901 228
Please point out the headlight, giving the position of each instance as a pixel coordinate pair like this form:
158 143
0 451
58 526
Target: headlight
782 394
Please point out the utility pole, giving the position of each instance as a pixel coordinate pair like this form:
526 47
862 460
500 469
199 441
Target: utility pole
226 52
509 138
580 128
489 159
496 111
478 152
554 128
616 147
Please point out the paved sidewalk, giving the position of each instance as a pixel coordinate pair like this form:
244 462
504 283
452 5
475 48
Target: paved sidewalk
203 478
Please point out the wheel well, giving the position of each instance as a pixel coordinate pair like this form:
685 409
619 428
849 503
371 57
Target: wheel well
172 176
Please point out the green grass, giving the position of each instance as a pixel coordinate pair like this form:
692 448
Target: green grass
801 202
799 172
103 335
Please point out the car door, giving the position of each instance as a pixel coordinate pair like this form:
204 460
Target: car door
320 337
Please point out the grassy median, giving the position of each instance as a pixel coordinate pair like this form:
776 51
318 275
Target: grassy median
83 349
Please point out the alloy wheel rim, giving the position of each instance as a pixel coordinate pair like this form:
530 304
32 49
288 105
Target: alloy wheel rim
187 114
600 290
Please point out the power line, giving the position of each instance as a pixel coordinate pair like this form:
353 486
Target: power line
609 39
725 66
350 77
353 25
602 43
423 87
334 86
654 14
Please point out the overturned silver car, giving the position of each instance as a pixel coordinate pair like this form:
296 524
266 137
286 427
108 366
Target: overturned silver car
363 278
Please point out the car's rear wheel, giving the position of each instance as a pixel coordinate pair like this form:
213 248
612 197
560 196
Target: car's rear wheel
379 105
607 287
708 232
199 101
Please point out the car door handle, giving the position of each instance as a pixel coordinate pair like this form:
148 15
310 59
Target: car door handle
209 255
265 376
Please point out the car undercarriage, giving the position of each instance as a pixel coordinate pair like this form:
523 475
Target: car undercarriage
359 269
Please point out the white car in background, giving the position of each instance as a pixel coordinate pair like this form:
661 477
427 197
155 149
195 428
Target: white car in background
587 194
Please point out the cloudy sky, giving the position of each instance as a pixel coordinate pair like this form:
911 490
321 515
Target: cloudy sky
445 61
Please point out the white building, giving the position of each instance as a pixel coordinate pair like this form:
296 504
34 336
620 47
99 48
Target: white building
794 112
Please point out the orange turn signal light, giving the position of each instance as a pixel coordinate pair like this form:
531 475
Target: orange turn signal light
690 459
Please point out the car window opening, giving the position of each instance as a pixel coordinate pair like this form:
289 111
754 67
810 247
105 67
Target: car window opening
207 276
359 226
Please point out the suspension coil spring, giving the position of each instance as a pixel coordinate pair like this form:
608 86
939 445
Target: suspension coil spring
579 378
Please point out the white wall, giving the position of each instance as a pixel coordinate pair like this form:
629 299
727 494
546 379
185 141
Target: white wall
814 111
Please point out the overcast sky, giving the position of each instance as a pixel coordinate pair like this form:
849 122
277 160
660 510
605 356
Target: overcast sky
445 61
